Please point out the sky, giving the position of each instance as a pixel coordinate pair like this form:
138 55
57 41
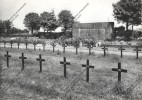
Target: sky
96 11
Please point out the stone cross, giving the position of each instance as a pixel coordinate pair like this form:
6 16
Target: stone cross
87 70
22 58
40 62
43 45
26 43
64 46
53 44
11 42
76 46
137 52
89 46
7 56
119 70
18 43
4 44
64 63
121 49
104 48
34 45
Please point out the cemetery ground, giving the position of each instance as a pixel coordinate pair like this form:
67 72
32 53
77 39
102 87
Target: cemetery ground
50 84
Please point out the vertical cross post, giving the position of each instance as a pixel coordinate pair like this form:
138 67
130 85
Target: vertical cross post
137 52
119 70
87 70
7 56
22 58
64 46
104 48
26 43
11 42
121 50
34 45
40 62
43 45
53 45
4 44
64 63
76 46
90 47
18 43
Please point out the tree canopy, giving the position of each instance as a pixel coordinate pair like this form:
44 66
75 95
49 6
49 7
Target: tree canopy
48 21
32 21
66 19
128 12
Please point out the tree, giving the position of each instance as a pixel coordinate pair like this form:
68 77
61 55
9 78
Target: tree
66 20
1 27
48 21
7 25
32 21
128 12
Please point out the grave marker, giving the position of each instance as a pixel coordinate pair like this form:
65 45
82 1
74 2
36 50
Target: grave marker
34 45
119 70
11 42
22 58
87 70
76 46
104 48
43 45
89 46
40 62
121 50
137 52
7 56
26 43
18 43
64 63
53 44
4 44
64 46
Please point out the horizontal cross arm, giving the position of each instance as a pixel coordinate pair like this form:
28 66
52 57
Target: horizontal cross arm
123 70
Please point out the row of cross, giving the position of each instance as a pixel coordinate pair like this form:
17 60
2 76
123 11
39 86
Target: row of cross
89 46
64 45
121 51
65 63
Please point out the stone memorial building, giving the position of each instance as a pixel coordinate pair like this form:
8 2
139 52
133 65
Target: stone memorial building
97 31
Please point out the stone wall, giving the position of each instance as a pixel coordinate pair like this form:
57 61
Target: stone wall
97 31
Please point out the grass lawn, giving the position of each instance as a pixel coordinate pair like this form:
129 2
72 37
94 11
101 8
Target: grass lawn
50 84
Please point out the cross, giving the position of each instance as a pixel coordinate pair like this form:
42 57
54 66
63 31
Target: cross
22 58
40 62
119 70
87 70
121 50
26 43
11 42
76 46
90 46
104 48
53 44
64 46
64 63
43 44
18 43
7 56
34 45
137 52
4 43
